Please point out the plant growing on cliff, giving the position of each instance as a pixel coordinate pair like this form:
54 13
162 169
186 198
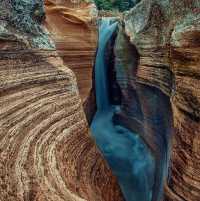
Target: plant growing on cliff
120 5
103 4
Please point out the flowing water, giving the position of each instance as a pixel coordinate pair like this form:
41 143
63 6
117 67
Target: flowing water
127 155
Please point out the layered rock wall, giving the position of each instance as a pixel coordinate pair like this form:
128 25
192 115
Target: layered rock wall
73 28
46 151
164 38
144 109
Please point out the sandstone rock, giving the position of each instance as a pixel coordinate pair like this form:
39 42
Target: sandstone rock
144 109
163 36
185 58
74 31
46 152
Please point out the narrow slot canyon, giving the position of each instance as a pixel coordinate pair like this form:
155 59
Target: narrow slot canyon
99 100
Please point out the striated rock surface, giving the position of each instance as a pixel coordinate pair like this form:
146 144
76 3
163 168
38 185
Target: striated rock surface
46 152
73 28
144 109
185 58
45 147
162 57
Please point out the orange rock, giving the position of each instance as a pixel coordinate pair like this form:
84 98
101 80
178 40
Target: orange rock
75 34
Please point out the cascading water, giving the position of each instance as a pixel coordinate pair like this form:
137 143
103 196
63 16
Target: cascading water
127 155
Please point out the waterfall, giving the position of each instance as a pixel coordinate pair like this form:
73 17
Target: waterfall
106 30
127 155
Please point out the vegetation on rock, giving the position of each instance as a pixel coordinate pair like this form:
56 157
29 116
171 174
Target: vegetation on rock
121 5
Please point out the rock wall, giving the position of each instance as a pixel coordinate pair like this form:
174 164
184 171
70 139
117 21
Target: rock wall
46 151
74 31
163 38
145 109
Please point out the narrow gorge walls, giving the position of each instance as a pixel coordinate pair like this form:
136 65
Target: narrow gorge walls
46 149
129 158
185 59
157 68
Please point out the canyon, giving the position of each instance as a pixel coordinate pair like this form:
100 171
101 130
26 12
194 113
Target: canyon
46 149
145 106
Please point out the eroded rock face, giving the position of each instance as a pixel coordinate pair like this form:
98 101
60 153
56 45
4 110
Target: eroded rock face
21 21
145 110
185 57
164 38
74 31
46 152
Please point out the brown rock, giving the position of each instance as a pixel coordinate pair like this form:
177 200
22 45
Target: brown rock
46 152
185 58
163 36
73 29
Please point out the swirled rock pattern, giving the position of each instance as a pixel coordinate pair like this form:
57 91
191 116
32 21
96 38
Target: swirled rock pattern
46 152
73 28
163 37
